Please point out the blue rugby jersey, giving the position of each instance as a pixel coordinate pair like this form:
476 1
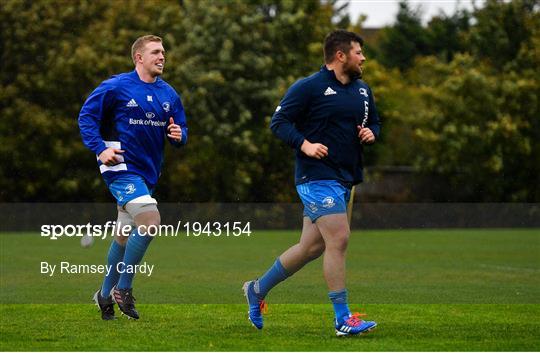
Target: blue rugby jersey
129 114
321 109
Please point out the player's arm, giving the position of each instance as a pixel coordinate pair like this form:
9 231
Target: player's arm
177 131
370 133
99 102
289 111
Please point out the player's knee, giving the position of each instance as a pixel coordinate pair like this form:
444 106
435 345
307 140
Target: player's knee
340 241
121 239
314 251
149 219
343 242
148 223
144 211
124 226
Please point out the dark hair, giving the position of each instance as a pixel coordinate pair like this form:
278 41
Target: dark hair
339 39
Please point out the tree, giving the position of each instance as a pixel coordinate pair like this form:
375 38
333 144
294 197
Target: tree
448 35
458 98
51 62
476 131
473 108
501 30
236 61
405 40
232 61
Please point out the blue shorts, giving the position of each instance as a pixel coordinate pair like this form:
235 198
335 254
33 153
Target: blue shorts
128 187
323 197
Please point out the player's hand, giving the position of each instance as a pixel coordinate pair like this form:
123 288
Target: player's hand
111 156
174 131
365 135
314 150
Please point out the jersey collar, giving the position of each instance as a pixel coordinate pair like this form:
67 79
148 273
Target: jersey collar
332 76
135 76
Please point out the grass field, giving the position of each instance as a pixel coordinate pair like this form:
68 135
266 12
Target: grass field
443 290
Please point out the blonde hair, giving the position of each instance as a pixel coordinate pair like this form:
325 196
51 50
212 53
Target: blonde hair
140 42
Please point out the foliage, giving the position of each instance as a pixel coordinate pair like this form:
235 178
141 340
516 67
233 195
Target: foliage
458 97
53 56
468 105
405 40
236 61
232 61
502 28
480 125
475 130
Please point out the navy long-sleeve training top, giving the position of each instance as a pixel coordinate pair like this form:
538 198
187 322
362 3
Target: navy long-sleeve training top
321 109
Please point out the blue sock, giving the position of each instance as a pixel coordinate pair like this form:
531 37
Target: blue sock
270 279
116 254
339 300
135 248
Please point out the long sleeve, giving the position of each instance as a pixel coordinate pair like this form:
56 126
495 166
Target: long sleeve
179 117
290 110
99 103
373 123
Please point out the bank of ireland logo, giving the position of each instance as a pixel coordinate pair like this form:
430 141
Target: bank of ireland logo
363 92
328 202
313 207
166 106
150 115
129 189
119 196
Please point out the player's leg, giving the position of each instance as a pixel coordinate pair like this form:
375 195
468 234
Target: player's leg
103 297
335 231
310 247
147 218
117 250
134 197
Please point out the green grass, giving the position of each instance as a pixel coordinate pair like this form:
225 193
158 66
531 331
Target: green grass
180 327
442 290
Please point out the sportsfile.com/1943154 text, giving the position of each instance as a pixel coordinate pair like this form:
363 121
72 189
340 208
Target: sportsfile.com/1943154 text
110 228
